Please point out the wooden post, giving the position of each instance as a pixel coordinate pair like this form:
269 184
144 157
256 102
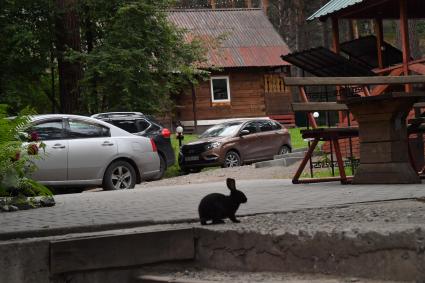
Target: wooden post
379 31
248 3
335 36
195 119
265 5
404 32
303 97
336 48
212 3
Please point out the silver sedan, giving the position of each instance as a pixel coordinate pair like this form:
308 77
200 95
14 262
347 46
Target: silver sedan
82 151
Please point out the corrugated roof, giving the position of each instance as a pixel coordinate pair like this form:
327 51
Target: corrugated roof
333 6
322 62
250 40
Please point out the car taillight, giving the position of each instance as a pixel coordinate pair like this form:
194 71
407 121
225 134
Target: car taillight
154 149
166 133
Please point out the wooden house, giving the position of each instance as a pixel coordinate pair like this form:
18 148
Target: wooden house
246 68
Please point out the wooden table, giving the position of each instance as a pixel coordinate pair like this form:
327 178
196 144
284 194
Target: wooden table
384 157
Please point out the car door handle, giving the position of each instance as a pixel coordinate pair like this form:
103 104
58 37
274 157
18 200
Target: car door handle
58 145
107 143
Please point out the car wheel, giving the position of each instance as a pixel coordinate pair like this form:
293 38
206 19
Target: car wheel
232 159
119 175
284 150
162 168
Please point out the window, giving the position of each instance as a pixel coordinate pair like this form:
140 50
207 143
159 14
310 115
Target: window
220 90
83 129
266 125
251 127
276 125
126 125
48 130
143 125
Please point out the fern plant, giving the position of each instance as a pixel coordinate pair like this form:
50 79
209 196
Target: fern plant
16 154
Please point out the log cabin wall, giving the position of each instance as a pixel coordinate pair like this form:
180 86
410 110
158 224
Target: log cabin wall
246 98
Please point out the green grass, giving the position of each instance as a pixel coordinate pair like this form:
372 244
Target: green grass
324 173
296 139
173 171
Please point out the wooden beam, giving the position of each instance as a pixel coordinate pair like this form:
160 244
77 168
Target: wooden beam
342 81
379 31
335 36
404 33
303 97
318 106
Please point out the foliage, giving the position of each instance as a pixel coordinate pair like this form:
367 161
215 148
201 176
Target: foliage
132 57
25 53
138 57
16 154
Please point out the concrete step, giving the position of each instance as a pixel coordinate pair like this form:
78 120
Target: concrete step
278 162
292 154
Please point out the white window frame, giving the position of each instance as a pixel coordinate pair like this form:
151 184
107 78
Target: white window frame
212 89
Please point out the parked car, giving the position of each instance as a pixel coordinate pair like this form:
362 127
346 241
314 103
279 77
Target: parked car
82 151
144 125
235 143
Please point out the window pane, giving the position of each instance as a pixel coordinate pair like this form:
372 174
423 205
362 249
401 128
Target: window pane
81 129
129 126
220 89
51 130
266 126
251 127
277 126
143 125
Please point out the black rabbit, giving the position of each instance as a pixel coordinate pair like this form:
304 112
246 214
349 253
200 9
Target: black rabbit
216 206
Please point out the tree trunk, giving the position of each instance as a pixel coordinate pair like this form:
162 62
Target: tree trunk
68 37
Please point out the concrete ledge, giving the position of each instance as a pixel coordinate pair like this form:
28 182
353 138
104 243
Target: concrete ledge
394 256
278 162
121 250
299 154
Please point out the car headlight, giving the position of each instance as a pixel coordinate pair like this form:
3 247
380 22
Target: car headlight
212 145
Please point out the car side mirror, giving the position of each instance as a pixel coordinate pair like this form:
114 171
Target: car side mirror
244 133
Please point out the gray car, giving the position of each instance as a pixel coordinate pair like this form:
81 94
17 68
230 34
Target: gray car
82 151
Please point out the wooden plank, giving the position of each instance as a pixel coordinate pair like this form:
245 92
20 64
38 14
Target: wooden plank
341 81
318 106
121 250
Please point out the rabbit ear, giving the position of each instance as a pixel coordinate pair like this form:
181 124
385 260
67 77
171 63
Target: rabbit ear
231 184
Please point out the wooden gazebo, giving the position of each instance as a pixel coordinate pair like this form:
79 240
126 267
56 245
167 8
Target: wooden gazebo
378 10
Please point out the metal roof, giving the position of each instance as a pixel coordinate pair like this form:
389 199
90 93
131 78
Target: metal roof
322 62
369 9
249 39
363 51
333 6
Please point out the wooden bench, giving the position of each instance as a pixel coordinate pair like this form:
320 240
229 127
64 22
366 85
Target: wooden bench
325 134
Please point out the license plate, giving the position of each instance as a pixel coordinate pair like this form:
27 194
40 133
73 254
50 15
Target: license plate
192 158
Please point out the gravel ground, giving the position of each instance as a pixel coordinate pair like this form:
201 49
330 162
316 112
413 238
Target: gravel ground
247 172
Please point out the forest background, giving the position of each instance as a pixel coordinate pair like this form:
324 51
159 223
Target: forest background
88 56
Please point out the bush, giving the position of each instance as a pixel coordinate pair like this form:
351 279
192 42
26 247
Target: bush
17 152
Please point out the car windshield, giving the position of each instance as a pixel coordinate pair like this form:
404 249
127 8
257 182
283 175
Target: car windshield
222 130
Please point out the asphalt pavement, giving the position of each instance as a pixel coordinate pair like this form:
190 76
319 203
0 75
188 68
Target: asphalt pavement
98 211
